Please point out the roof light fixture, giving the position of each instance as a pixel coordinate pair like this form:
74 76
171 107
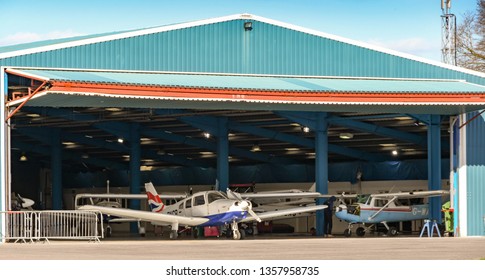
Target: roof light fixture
305 129
120 140
394 152
23 157
256 148
346 135
207 135
248 26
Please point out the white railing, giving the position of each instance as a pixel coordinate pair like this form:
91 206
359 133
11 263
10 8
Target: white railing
30 226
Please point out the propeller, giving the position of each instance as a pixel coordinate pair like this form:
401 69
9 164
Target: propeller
245 204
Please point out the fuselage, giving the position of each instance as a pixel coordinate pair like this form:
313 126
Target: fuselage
212 205
362 213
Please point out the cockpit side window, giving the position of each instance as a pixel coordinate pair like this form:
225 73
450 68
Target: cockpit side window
211 197
188 204
199 200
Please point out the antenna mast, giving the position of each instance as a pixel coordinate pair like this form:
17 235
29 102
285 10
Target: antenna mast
448 33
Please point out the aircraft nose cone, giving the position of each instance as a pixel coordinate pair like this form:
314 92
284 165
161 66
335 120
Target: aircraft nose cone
244 204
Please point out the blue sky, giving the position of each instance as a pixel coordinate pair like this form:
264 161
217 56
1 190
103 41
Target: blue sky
410 26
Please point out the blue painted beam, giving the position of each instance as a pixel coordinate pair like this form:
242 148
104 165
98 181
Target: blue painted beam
69 155
222 155
135 174
211 146
321 165
306 119
56 168
378 130
115 128
434 165
4 185
205 123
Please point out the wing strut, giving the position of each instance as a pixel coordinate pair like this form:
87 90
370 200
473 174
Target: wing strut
382 208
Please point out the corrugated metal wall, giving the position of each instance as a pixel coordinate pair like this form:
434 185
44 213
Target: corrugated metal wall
475 159
226 47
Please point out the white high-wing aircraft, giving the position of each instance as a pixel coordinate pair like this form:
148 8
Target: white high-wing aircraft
382 208
208 208
21 203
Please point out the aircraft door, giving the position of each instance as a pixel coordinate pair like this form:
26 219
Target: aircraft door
199 206
188 208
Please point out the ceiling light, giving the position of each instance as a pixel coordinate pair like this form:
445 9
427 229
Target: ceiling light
67 143
346 135
305 129
394 152
387 145
121 140
85 155
292 149
161 152
33 115
23 157
112 109
207 135
256 148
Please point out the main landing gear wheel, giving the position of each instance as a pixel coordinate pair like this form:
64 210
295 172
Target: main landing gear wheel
360 231
236 234
347 233
392 231
108 231
173 234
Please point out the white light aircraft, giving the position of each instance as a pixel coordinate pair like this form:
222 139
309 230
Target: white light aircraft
208 208
113 200
383 208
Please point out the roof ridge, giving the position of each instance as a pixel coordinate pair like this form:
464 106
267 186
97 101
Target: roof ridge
170 27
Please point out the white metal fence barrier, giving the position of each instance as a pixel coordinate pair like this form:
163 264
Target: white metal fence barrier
30 226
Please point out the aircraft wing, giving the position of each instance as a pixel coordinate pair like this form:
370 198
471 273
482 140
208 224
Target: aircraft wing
146 215
416 194
280 195
128 196
272 215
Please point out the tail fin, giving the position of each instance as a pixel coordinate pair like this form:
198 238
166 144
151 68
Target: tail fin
154 201
313 188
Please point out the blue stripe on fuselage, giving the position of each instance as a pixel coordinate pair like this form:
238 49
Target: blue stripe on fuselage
224 218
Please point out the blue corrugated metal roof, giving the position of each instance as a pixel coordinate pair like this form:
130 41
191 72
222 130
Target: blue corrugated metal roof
221 45
255 82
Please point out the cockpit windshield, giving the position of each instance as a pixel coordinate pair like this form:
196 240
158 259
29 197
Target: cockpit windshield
362 198
213 196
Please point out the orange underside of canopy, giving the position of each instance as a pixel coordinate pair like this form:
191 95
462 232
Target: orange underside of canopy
266 95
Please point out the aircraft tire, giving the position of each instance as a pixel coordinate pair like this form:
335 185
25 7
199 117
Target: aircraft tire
242 233
360 231
236 235
347 233
108 231
392 231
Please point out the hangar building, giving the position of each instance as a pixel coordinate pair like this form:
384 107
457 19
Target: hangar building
277 103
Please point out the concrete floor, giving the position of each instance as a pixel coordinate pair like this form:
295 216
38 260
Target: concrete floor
261 248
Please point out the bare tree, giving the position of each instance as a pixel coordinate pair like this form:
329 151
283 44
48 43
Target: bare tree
470 41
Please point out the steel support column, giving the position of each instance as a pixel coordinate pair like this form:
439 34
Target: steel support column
321 165
434 165
56 169
3 159
222 155
135 174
